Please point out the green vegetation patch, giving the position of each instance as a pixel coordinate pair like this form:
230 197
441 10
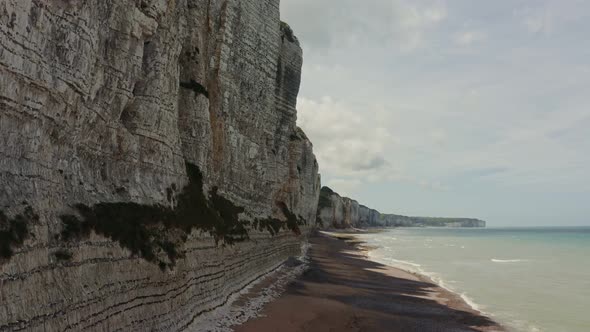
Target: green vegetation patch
14 231
288 32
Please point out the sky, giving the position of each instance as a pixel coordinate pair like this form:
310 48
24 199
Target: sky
454 108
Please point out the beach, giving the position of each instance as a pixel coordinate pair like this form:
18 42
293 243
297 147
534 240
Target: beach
342 290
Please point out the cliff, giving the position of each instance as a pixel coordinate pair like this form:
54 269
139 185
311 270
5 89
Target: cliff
335 211
150 165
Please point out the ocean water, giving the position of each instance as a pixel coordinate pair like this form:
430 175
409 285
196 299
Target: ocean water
528 279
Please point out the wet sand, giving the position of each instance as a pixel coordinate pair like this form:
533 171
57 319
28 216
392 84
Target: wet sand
344 291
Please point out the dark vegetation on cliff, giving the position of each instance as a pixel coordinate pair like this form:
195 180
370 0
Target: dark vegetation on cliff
14 231
288 32
324 200
148 230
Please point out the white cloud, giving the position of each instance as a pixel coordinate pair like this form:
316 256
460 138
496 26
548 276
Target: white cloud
436 13
532 152
433 185
549 17
446 99
349 143
345 187
401 24
468 37
539 21
413 22
439 137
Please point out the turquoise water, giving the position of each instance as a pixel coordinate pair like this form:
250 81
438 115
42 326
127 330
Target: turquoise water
529 279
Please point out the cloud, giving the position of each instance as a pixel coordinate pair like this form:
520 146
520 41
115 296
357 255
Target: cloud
468 37
433 185
348 142
345 187
539 21
374 163
447 104
401 24
529 154
550 17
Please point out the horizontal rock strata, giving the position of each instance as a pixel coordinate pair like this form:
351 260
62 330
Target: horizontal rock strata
106 106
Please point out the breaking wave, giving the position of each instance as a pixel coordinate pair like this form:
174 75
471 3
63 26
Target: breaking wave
495 260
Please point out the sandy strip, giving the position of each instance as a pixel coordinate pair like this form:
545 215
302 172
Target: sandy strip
344 291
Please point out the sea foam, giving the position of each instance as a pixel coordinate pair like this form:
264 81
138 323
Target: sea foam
514 281
495 260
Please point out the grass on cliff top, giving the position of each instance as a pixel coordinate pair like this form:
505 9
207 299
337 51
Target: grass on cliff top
324 200
152 230
288 32
14 231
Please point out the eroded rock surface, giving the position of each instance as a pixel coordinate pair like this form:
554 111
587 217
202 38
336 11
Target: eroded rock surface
111 102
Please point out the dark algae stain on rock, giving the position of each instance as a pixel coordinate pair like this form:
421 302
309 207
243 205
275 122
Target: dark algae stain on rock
226 226
197 87
274 225
130 224
271 225
14 231
154 231
63 255
293 221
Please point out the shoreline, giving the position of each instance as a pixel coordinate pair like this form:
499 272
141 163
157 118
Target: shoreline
440 283
365 249
344 290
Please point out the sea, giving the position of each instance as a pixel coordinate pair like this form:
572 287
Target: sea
527 279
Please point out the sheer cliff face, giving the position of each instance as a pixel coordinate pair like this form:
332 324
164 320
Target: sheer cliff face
335 211
108 106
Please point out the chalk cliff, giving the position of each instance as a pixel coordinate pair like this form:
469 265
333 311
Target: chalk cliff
335 211
150 165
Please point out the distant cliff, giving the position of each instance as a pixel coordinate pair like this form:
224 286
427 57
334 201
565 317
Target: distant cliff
335 211
150 163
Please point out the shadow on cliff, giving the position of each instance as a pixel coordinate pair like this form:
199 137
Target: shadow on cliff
392 303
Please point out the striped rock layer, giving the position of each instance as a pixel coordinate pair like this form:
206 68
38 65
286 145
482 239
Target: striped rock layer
150 164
